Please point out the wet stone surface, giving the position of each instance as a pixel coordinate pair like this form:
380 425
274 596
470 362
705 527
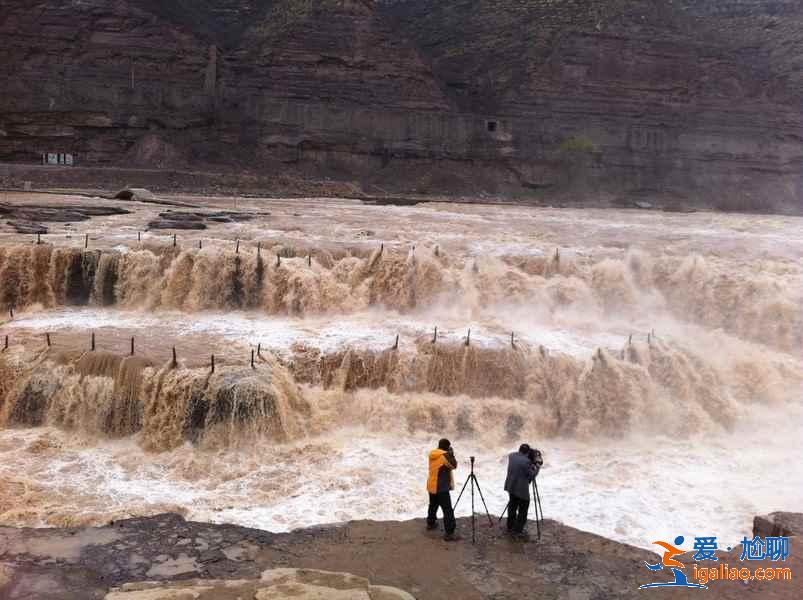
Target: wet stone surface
566 563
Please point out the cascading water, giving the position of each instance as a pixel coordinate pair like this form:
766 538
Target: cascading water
107 395
762 308
654 386
333 407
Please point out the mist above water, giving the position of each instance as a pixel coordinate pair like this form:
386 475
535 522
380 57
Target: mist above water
639 370
636 490
763 307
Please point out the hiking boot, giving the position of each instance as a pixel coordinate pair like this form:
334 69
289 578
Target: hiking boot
452 537
431 527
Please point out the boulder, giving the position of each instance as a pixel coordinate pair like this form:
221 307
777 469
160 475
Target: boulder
778 524
196 220
176 224
26 218
27 227
135 194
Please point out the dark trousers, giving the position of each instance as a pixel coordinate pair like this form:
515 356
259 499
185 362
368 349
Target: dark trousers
517 513
442 500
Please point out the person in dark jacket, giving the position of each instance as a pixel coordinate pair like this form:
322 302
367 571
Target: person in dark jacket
439 484
520 473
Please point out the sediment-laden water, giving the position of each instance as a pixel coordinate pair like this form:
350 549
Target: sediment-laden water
764 307
647 354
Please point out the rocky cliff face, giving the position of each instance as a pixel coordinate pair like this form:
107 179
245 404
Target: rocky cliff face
688 102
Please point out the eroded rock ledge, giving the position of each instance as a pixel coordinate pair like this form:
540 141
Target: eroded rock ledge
170 554
275 584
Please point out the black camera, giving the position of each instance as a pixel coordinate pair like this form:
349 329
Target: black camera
536 458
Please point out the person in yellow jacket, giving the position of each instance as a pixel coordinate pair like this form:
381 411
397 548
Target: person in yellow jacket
440 482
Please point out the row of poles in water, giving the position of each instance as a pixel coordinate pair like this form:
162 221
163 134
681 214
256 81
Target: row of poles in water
173 362
258 352
200 246
395 346
259 248
278 263
236 248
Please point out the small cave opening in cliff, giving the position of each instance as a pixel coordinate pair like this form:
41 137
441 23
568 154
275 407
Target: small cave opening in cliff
491 125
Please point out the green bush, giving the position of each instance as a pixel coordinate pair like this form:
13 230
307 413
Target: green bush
578 145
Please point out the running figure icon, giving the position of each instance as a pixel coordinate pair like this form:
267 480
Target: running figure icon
668 561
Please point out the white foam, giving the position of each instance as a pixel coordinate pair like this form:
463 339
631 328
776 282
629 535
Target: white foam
633 490
370 329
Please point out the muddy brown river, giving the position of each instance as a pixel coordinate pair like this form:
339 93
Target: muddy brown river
655 358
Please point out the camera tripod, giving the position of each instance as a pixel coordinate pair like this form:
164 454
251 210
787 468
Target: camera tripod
539 518
473 479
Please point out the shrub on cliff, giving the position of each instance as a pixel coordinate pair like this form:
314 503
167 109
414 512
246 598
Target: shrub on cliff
578 146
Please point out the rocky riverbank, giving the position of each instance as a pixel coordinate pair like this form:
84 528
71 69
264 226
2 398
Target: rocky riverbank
201 560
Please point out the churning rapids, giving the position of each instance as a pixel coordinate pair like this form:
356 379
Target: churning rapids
655 358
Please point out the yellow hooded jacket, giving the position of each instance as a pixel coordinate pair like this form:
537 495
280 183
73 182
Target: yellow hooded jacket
438 461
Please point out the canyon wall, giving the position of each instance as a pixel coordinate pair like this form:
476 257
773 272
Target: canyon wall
688 103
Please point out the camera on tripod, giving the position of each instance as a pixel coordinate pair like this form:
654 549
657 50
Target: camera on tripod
536 458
